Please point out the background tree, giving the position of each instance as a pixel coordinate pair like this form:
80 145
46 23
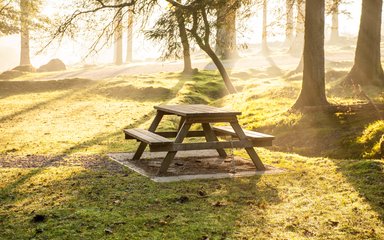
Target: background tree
297 45
25 10
129 57
264 41
335 37
170 30
226 44
367 67
118 35
313 86
289 21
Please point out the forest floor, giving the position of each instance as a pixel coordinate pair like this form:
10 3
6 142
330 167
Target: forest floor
57 182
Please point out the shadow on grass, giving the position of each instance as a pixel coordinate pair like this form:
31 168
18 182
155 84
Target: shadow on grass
101 202
122 204
367 177
7 191
323 134
11 88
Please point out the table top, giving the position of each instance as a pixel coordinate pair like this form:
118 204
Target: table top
194 110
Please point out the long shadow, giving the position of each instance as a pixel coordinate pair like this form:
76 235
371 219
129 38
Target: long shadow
6 192
367 177
11 88
43 103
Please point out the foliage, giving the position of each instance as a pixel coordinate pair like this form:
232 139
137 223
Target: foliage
166 32
10 17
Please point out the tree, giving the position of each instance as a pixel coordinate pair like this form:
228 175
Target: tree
170 30
289 21
335 37
313 85
118 35
264 43
184 41
367 69
129 57
25 10
226 44
297 45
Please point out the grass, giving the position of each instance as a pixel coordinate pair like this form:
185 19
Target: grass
56 182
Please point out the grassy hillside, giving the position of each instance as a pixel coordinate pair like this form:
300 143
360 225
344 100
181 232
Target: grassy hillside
56 181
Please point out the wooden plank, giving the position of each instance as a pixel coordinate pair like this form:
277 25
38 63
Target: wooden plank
210 119
152 128
190 134
147 136
211 137
249 134
196 110
201 146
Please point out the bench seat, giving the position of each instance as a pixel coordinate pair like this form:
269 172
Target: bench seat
251 135
146 136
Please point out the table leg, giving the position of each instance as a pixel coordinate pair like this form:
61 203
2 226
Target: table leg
152 128
251 152
171 155
210 136
182 120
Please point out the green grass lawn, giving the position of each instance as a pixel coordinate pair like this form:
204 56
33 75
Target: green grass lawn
57 183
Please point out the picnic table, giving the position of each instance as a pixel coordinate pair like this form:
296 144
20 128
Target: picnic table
197 114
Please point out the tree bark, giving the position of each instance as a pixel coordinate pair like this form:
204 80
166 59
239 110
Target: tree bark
264 43
118 36
184 42
289 21
313 86
367 69
25 8
226 45
335 37
129 57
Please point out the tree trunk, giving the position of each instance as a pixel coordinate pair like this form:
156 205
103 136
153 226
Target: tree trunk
367 68
335 38
129 57
227 81
185 43
118 36
297 45
25 7
289 21
313 86
264 43
226 46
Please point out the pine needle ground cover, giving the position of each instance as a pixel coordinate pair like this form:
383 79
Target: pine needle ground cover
56 181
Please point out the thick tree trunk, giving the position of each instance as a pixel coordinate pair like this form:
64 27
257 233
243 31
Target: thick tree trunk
289 21
185 43
297 45
367 68
118 36
313 86
129 57
264 42
335 38
226 45
25 7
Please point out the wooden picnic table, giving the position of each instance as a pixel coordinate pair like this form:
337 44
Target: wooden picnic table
201 114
